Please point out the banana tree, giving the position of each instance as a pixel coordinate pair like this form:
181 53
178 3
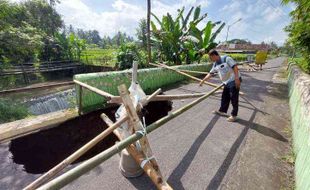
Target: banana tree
180 39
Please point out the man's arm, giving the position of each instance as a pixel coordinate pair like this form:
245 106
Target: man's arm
204 79
236 72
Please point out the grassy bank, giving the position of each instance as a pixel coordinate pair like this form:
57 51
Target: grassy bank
302 63
11 111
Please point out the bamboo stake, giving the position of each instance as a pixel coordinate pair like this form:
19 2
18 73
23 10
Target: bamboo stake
93 89
91 163
55 170
136 123
139 158
152 96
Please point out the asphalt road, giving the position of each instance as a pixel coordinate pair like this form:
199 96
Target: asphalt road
196 150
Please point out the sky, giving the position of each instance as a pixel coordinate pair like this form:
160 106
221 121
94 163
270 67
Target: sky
261 20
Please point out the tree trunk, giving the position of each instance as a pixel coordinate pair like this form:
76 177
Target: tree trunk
148 31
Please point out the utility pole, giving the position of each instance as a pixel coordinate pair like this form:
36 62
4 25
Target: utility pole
149 31
228 27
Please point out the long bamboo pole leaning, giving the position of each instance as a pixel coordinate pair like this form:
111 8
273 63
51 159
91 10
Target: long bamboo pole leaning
185 74
87 165
93 89
139 157
59 167
118 100
196 72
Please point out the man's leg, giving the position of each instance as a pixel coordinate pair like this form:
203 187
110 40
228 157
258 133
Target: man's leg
234 96
225 100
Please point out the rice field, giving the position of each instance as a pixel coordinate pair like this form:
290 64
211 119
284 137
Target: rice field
99 57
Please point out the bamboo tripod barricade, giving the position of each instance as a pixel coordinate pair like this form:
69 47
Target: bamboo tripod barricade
58 168
185 74
153 169
87 165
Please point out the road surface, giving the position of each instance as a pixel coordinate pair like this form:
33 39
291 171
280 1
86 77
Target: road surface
199 150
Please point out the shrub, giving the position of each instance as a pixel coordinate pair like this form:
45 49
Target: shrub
11 111
128 53
303 64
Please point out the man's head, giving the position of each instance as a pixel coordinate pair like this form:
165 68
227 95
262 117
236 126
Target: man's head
214 55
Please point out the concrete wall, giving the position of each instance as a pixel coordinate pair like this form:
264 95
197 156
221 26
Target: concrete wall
149 79
299 100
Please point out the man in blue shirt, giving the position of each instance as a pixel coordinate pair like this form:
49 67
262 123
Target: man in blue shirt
229 74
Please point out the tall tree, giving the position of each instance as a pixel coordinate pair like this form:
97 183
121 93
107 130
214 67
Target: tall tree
141 33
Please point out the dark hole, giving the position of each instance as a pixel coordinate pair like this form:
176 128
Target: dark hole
41 151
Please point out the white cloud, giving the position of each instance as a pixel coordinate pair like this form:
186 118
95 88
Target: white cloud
123 17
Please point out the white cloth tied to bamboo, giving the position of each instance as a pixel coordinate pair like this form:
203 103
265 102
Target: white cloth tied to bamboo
137 95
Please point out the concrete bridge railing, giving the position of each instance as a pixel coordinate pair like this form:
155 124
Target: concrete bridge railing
299 102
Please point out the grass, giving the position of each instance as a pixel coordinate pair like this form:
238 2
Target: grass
302 63
99 57
11 111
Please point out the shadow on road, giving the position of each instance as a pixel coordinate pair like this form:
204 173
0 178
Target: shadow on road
221 172
175 178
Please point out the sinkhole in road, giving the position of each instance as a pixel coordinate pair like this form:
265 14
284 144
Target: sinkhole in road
41 151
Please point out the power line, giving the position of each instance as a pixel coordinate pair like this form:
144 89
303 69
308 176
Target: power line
277 9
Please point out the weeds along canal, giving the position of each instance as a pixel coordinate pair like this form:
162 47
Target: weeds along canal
40 151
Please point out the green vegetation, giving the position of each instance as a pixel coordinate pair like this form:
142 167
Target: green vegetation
99 57
30 32
11 111
180 40
33 31
236 56
299 31
128 53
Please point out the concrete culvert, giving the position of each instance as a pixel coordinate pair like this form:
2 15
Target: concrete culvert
41 151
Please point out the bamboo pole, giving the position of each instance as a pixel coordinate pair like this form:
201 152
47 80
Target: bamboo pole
152 96
91 163
118 100
59 167
134 120
182 73
196 72
140 158
190 76
93 89
51 173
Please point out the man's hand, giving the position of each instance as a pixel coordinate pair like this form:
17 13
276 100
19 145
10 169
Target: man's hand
204 79
237 82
